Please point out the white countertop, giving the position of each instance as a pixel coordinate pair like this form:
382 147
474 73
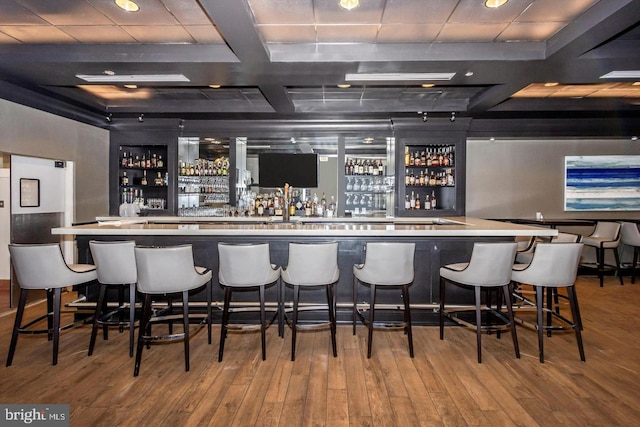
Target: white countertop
337 227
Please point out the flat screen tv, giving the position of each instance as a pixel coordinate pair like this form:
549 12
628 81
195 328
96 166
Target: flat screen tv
602 183
298 170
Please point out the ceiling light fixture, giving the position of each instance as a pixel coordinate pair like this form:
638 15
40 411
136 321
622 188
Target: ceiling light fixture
215 86
397 76
493 4
344 86
551 84
634 138
629 74
468 74
293 140
427 85
131 86
424 117
453 116
368 140
109 117
141 118
127 5
133 78
349 4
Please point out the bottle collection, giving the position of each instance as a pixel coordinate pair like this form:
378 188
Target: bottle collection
374 167
205 167
429 176
148 160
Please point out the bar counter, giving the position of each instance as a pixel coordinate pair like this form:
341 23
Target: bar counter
439 241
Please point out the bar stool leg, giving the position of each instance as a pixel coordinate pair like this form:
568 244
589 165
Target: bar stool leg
539 300
57 302
507 290
294 322
225 321
132 316
618 271
577 322
263 324
96 318
372 310
355 304
549 308
478 323
16 325
634 265
407 318
185 322
331 301
209 313
49 314
441 314
600 257
144 321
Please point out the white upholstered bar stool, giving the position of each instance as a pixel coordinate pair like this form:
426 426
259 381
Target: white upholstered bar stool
631 237
116 266
165 271
42 266
490 269
245 267
605 236
312 266
554 265
387 265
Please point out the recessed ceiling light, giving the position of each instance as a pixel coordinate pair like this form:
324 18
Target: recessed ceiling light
349 4
427 85
468 73
126 78
109 73
635 84
368 140
551 84
343 86
634 138
214 86
397 76
629 74
131 86
495 3
127 5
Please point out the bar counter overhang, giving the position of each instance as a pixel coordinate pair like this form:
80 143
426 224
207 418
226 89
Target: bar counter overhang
439 241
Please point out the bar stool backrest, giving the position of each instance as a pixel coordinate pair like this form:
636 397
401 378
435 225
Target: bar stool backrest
490 265
388 263
246 265
630 234
115 261
566 238
312 264
607 230
42 266
166 269
554 264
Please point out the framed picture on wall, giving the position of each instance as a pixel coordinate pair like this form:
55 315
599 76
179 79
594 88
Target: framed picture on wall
29 193
602 183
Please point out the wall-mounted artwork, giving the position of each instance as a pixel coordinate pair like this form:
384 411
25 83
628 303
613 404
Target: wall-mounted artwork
602 183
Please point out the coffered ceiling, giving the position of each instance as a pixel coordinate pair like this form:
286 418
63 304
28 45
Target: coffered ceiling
286 58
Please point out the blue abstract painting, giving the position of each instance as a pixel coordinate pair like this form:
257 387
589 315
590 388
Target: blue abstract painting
602 183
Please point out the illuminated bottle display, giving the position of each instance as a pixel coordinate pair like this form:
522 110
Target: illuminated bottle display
429 178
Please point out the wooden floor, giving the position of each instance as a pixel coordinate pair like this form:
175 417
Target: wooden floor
442 386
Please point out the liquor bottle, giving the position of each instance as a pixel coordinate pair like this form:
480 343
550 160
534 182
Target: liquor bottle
160 163
412 179
422 178
432 179
370 169
360 168
450 179
154 161
407 177
416 159
434 202
423 158
125 162
445 158
144 178
406 155
130 164
158 181
417 203
412 201
407 203
380 168
124 180
412 160
435 160
427 202
136 164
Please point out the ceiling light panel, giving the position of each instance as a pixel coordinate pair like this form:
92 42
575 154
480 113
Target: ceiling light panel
629 74
133 78
383 77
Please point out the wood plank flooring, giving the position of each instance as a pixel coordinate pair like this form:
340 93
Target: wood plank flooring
442 386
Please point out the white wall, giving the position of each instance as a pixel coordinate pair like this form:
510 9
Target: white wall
5 220
29 132
517 178
51 183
